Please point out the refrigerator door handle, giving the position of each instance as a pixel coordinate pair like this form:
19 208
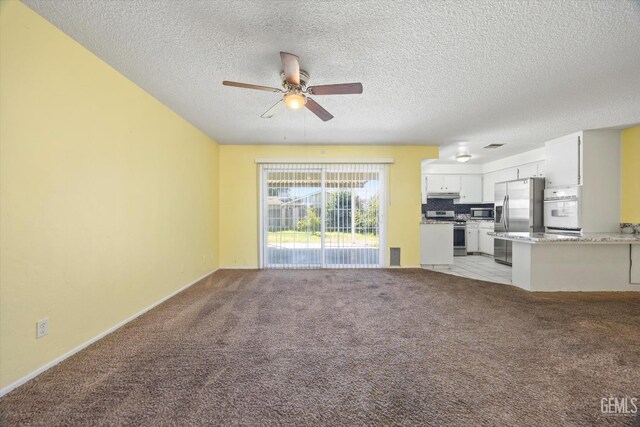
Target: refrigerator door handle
504 213
506 218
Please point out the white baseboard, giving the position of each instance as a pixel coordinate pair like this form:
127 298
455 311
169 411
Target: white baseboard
70 353
241 268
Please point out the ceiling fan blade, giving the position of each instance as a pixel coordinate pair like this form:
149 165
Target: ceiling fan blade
271 111
339 89
250 86
318 110
291 67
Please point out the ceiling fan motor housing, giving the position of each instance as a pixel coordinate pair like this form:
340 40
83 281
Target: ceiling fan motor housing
304 79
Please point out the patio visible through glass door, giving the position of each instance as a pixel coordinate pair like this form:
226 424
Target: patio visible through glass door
322 216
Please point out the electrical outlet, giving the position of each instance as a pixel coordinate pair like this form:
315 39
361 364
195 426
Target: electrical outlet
42 327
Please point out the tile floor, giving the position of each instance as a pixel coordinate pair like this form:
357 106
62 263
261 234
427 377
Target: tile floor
479 267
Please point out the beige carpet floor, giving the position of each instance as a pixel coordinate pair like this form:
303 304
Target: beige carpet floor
350 347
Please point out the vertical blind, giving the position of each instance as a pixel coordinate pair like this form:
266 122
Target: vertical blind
322 215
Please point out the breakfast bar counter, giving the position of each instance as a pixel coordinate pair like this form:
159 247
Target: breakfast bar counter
586 262
599 238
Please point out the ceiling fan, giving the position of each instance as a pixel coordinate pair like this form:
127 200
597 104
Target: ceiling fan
294 82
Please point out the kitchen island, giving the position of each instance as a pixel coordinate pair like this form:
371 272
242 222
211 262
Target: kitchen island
436 243
586 262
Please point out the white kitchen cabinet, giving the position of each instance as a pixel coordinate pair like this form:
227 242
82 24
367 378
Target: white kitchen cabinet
451 183
435 183
485 242
500 176
563 162
470 189
527 171
488 187
469 186
531 170
508 174
443 183
472 237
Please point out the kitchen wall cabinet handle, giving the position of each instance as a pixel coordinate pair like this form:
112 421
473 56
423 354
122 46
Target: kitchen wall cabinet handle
578 160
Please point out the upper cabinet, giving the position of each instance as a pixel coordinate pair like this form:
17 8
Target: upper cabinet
435 183
451 183
488 186
564 162
508 174
443 183
531 170
490 179
470 189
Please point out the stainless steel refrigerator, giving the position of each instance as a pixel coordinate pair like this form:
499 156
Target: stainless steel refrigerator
518 208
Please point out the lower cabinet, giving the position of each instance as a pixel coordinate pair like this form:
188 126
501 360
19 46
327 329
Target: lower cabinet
485 242
472 237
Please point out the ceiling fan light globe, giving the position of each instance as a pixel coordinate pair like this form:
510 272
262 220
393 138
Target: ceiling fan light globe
295 101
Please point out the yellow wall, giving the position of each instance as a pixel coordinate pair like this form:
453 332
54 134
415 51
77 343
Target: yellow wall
239 195
631 175
108 197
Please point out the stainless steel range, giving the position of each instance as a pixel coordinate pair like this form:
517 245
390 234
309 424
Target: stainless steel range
459 229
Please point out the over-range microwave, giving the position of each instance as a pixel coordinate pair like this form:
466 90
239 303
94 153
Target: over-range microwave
482 213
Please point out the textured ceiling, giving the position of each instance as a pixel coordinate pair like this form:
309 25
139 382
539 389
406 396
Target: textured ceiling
445 72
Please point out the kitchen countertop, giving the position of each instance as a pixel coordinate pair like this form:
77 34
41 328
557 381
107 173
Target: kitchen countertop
569 238
431 221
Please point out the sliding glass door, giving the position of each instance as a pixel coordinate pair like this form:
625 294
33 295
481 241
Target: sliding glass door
322 216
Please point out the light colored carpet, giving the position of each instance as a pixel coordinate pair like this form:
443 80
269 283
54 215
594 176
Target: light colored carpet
350 347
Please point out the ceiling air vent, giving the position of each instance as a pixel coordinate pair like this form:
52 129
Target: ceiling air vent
494 146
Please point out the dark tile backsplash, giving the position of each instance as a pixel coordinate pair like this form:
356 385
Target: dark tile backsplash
448 205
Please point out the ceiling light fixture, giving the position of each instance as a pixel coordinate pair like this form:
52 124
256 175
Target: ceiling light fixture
295 101
463 157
